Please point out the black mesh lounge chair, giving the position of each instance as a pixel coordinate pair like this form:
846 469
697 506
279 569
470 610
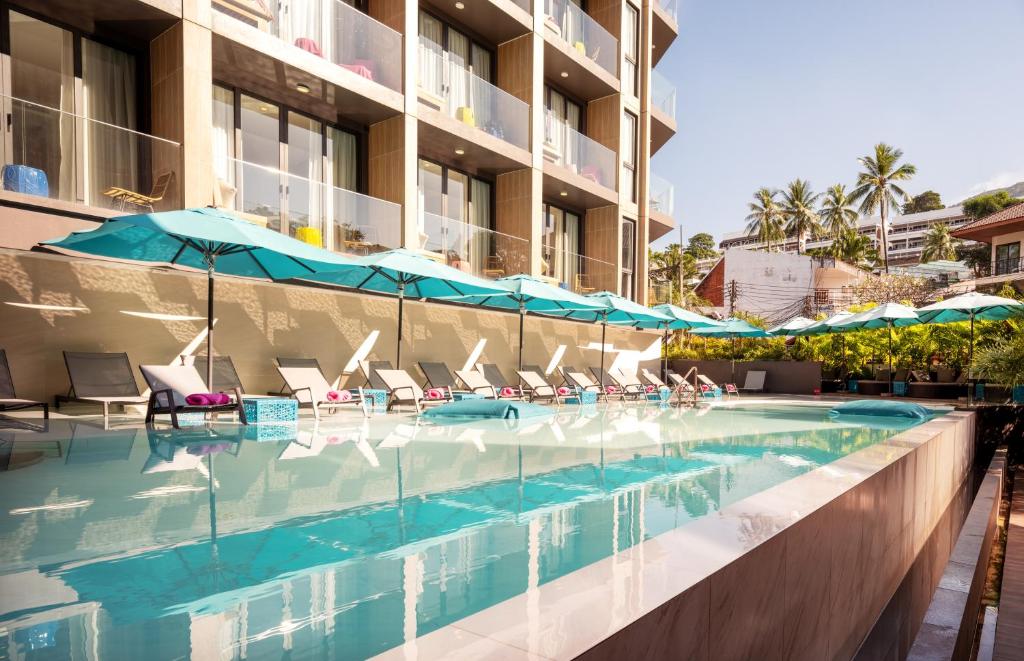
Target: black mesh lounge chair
9 401
439 376
370 372
536 370
603 379
169 386
497 379
291 362
225 377
101 378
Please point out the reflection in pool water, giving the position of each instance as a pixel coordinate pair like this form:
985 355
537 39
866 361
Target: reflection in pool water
347 538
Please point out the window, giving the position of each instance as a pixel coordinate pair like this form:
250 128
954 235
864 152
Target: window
456 217
629 156
560 258
449 59
631 50
628 258
1008 258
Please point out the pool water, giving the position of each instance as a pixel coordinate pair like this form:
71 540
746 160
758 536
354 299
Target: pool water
348 538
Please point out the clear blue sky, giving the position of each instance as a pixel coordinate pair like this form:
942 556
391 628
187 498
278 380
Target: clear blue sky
773 90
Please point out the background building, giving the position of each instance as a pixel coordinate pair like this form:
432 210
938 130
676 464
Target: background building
1004 232
501 136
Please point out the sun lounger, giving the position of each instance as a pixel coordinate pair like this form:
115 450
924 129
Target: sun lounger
477 383
709 388
101 378
439 376
369 369
9 400
225 376
539 388
536 369
495 377
628 386
681 387
309 386
283 361
754 381
403 389
170 385
583 382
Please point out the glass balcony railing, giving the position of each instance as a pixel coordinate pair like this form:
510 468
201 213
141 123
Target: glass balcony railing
471 99
670 7
59 155
323 215
662 195
577 273
477 250
574 151
663 94
330 29
583 33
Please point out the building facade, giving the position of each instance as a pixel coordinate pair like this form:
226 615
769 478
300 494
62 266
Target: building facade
1004 233
906 234
498 136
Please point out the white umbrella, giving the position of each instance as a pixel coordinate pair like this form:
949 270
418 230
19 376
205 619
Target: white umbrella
886 316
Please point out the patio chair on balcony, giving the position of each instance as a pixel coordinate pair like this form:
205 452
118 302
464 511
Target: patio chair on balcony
125 197
584 284
495 268
9 401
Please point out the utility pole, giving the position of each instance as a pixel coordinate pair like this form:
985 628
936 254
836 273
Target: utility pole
680 266
732 297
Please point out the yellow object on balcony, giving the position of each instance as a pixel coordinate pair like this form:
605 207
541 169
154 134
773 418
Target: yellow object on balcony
465 115
310 235
580 48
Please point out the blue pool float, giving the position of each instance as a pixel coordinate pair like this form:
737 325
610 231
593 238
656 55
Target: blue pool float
881 408
482 409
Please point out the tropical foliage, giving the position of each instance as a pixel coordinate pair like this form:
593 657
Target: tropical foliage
878 187
939 244
989 203
854 248
837 212
674 269
798 208
926 201
765 218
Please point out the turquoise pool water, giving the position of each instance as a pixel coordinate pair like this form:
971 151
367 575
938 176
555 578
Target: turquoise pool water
347 538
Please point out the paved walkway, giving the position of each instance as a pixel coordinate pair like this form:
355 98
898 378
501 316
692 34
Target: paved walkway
1009 645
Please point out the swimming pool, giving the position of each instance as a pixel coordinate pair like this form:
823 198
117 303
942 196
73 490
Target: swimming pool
348 538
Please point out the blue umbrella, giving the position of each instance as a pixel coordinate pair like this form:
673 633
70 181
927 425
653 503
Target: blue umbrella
681 320
206 239
730 329
797 323
402 272
528 294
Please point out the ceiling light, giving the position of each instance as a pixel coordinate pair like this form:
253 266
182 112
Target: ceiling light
564 193
460 152
565 74
264 108
302 87
460 5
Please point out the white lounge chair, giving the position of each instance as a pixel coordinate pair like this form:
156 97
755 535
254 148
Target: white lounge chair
309 386
476 382
628 384
584 383
754 381
403 389
169 386
538 387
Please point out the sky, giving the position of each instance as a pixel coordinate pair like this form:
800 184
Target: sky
772 90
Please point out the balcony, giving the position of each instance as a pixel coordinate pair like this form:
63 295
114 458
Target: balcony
335 50
477 250
73 164
1000 271
586 166
462 110
320 214
582 275
578 52
663 110
665 26
661 200
492 21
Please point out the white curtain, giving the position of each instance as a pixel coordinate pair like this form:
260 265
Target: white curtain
111 155
431 36
571 147
224 134
458 71
483 96
350 221
302 25
571 248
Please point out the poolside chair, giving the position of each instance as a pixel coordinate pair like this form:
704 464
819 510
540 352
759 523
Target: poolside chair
628 386
754 381
477 383
170 385
495 377
653 379
535 369
225 376
9 401
101 378
683 387
439 376
709 388
582 382
403 389
369 369
295 362
539 388
308 385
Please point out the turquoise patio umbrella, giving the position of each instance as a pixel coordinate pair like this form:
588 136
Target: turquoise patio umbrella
886 315
681 320
406 273
797 323
206 239
731 329
968 307
827 326
528 294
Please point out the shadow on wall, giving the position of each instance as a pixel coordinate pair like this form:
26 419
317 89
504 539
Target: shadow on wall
256 321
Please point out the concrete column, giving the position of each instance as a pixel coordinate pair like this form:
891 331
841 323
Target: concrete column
536 236
410 132
644 156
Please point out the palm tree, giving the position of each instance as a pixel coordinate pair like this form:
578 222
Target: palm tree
854 248
798 209
837 212
765 218
938 244
877 188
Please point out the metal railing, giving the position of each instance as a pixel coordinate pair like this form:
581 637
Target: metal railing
1002 267
320 214
471 99
662 195
473 249
59 155
663 94
330 29
572 150
671 7
583 33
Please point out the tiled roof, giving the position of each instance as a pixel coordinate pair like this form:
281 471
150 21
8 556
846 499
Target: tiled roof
1009 213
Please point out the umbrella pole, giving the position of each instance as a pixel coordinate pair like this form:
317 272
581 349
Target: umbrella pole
401 307
733 378
664 362
890 359
604 328
522 317
209 325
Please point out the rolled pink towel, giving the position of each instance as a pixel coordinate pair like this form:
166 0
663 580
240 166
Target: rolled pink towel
611 389
563 390
207 399
650 389
339 396
507 391
435 393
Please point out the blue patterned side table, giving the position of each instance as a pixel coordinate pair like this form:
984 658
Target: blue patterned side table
270 409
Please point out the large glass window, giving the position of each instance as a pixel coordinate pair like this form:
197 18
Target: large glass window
449 59
1008 258
628 258
629 156
560 255
456 217
631 50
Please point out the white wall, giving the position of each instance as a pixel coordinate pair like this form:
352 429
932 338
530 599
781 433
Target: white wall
767 283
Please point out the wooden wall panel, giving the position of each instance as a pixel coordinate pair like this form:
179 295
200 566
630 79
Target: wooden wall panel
601 241
604 121
607 13
514 216
386 160
167 119
389 12
515 67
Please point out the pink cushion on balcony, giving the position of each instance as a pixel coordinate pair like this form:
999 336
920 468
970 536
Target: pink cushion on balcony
360 70
309 45
207 399
591 172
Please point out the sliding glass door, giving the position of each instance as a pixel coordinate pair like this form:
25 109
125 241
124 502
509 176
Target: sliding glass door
561 245
456 216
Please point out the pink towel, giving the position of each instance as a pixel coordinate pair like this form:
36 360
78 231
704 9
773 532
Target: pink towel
650 389
339 396
207 399
611 389
435 393
507 391
562 390
208 448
